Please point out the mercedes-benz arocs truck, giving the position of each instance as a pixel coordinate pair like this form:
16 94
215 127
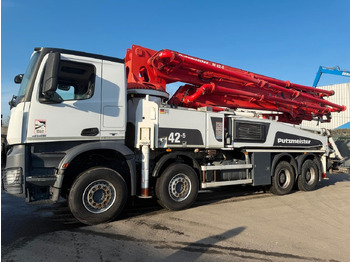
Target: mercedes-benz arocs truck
97 130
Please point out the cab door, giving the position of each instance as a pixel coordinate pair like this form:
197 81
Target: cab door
73 111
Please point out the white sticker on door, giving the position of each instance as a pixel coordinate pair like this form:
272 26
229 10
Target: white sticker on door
40 127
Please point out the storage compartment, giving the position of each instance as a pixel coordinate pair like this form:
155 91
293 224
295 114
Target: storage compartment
226 175
226 171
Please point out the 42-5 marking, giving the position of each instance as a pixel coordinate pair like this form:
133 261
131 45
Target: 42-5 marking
174 137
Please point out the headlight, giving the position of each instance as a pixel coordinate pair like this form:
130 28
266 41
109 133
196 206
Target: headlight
13 176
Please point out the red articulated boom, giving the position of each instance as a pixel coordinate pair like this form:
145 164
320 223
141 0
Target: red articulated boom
221 87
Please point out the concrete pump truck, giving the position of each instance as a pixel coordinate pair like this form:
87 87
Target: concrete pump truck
97 130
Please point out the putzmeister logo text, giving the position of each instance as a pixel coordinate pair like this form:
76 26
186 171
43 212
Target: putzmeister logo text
293 141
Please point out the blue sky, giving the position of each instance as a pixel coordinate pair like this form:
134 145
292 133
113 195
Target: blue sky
286 39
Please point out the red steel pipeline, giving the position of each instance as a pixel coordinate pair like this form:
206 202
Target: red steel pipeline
200 64
204 65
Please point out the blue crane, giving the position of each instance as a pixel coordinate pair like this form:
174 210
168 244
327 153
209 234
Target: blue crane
329 70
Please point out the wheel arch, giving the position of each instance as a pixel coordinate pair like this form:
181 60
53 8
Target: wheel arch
109 154
165 160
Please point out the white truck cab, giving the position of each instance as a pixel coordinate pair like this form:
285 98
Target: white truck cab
66 99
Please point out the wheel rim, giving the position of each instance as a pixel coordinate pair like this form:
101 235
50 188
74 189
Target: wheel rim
99 196
284 178
310 176
179 187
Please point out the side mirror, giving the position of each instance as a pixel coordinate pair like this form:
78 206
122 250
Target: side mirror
18 78
51 74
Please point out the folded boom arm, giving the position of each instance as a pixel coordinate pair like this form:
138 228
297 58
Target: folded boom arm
221 86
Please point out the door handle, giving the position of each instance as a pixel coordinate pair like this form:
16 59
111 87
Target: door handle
90 131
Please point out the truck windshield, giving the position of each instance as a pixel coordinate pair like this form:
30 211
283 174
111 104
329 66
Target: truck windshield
27 76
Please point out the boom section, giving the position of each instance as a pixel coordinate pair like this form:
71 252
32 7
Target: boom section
220 87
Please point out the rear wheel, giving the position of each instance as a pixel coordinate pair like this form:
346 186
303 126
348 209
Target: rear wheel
177 188
282 179
308 179
98 195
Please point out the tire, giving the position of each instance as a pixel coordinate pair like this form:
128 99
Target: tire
177 187
308 179
282 179
98 195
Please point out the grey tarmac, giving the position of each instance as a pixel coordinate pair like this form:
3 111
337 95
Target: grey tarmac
231 224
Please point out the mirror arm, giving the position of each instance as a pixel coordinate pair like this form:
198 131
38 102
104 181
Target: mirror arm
12 102
51 99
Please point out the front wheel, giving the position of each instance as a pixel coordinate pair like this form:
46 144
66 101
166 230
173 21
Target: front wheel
98 195
177 188
283 179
